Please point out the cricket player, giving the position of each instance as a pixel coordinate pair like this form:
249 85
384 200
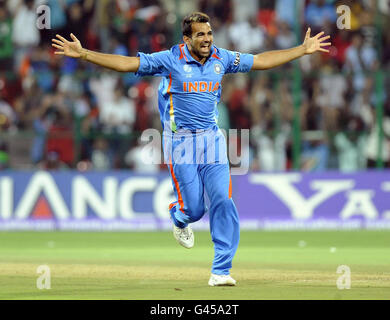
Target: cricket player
194 147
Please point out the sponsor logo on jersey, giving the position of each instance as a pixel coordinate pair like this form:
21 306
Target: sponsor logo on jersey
237 60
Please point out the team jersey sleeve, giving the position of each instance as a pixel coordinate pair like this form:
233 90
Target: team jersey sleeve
237 61
154 64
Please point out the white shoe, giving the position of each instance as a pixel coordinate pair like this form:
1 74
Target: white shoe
221 280
185 236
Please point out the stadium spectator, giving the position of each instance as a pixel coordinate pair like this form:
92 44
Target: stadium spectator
341 42
118 115
217 8
102 87
4 156
245 12
350 143
285 37
247 36
221 34
7 116
239 103
386 51
331 93
25 34
285 11
318 12
6 45
271 147
101 158
60 136
105 15
315 148
223 116
360 58
39 62
40 124
373 146
52 161
58 17
144 159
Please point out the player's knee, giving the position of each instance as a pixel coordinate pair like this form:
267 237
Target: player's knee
221 194
224 201
196 212
227 205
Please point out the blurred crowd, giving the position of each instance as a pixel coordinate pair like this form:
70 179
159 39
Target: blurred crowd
72 114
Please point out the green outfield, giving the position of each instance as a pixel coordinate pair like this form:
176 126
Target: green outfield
124 265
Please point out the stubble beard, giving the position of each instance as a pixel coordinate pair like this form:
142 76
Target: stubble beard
200 55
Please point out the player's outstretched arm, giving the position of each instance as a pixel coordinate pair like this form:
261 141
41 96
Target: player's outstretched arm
271 59
75 50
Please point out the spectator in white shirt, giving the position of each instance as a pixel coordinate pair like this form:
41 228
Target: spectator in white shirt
118 115
25 33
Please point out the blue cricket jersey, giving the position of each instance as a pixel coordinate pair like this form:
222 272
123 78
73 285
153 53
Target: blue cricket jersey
189 92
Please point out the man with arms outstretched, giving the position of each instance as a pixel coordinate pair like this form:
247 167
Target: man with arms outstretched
189 92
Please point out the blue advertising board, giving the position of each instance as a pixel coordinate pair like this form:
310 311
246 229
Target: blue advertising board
123 200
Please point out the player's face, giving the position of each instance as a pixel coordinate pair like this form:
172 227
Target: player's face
201 40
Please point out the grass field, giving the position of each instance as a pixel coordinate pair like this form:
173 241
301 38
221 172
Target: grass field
268 265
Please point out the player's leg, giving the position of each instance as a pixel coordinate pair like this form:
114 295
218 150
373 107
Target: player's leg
188 187
224 221
180 155
189 206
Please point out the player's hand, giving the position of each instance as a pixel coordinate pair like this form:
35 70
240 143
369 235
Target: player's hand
315 43
66 48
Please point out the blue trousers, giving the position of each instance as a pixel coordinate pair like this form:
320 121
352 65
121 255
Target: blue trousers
204 169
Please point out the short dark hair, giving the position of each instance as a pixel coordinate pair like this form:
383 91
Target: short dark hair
187 22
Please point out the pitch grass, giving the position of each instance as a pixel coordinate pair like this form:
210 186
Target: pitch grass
268 265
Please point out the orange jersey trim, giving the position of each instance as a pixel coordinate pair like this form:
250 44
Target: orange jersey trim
182 54
170 95
214 55
180 199
230 187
